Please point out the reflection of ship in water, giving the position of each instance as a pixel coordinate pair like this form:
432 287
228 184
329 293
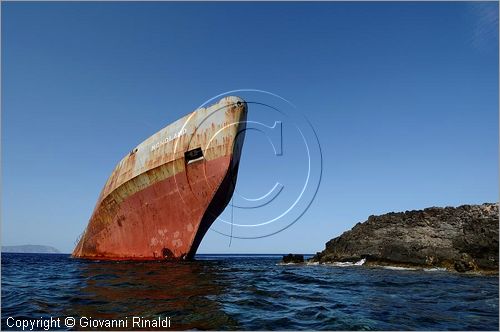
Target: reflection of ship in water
185 292
164 195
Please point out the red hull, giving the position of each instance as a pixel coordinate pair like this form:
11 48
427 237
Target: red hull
167 218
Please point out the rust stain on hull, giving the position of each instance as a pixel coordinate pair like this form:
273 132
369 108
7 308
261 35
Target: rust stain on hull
163 196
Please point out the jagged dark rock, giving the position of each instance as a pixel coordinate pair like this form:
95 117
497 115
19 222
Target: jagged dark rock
291 258
463 239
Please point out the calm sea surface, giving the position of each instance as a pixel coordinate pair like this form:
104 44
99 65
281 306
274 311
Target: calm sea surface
246 292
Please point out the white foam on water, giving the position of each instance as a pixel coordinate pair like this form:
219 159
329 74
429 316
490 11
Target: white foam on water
433 269
312 263
398 268
360 262
345 264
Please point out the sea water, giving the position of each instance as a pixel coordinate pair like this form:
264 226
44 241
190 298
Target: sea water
247 292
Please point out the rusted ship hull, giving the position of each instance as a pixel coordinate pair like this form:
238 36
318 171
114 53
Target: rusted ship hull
162 198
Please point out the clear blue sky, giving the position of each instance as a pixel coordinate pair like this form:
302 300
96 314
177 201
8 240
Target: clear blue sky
403 98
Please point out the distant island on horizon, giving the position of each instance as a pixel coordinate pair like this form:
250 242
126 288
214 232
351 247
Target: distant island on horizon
30 249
